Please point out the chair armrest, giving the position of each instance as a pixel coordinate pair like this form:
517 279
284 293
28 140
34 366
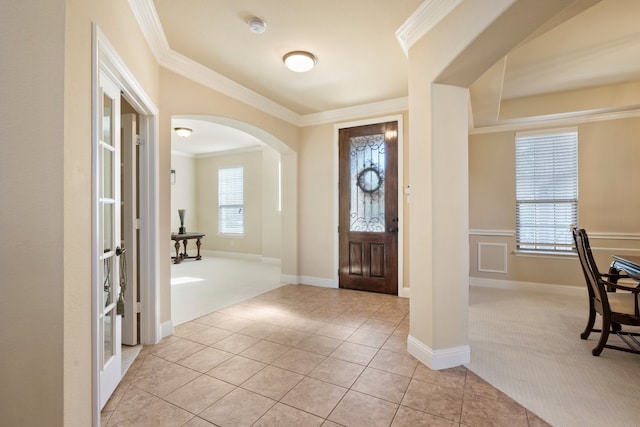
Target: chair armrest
615 276
634 290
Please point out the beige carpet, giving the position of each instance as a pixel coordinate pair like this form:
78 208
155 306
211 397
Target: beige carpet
528 345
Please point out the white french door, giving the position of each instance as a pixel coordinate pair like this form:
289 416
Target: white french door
108 239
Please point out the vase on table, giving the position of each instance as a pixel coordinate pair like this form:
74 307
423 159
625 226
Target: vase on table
181 230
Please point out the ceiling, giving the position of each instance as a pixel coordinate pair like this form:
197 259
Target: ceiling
360 60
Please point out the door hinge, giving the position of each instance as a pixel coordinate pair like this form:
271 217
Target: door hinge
138 223
139 307
139 141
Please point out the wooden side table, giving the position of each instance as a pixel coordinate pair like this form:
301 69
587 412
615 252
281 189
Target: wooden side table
184 238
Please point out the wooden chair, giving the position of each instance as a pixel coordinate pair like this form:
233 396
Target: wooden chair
616 308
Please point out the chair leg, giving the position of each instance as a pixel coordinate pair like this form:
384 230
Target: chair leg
604 336
590 322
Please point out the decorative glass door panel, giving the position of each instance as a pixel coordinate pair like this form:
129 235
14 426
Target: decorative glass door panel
367 170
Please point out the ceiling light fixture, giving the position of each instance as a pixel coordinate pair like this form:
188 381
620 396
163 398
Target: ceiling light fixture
299 61
183 132
257 25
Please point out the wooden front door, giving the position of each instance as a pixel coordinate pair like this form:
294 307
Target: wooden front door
368 208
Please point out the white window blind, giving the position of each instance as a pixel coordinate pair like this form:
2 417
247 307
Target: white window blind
546 189
231 200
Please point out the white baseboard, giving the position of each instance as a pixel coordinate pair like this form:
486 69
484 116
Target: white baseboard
439 359
166 329
526 286
267 260
404 292
308 280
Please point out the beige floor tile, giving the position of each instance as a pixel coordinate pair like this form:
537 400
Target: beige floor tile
368 337
200 393
314 396
238 408
482 411
178 350
259 330
381 384
360 410
198 422
396 343
333 330
265 351
210 335
350 319
356 353
319 344
188 328
445 402
378 325
213 319
272 382
236 370
235 324
161 377
453 377
299 361
407 417
397 363
236 343
282 415
287 336
338 372
328 423
205 359
141 409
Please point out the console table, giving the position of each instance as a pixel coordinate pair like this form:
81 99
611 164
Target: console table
184 238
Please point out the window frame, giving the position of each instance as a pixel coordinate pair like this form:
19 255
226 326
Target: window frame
545 217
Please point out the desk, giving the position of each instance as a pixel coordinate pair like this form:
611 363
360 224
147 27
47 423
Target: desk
184 238
630 264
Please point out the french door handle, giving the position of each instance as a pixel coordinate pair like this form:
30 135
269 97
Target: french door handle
120 251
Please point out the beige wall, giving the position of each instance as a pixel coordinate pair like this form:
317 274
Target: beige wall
32 203
46 197
184 193
608 153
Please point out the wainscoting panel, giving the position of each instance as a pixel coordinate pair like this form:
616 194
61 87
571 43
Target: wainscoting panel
492 257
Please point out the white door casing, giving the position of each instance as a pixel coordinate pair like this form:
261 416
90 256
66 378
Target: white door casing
130 227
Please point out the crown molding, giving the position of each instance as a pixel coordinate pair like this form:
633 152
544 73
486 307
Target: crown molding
426 16
149 22
356 112
559 120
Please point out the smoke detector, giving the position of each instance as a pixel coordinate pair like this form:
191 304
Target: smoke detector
257 25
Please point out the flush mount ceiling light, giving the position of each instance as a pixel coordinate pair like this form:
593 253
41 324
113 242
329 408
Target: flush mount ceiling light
299 61
183 132
257 25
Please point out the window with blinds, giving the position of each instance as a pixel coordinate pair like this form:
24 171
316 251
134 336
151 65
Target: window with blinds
546 189
231 200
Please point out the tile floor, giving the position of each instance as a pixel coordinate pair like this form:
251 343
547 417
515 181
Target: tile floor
302 356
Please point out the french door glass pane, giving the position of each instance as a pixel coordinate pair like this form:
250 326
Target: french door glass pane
107 324
107 165
107 227
107 112
367 177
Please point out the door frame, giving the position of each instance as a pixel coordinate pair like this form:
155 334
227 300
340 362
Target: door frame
106 59
402 291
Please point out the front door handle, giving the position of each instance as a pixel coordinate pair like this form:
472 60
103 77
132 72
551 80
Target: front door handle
393 229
